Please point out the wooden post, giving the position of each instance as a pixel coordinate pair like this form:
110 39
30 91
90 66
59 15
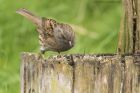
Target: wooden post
80 74
129 37
104 73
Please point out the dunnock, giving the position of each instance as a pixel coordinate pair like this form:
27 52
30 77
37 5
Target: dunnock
53 36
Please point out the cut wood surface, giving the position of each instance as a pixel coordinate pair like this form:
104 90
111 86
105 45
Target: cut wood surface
108 73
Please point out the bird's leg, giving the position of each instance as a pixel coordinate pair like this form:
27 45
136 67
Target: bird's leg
59 55
41 54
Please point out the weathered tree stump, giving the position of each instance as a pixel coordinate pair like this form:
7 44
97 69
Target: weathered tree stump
80 74
104 73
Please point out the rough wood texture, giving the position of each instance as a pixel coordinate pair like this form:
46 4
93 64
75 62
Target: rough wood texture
80 74
138 26
129 36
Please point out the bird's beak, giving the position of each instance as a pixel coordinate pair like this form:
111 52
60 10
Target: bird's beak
35 19
70 43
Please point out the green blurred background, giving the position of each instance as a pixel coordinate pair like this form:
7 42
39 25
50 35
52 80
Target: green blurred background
96 23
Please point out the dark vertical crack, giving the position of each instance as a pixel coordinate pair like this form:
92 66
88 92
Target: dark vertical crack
73 64
134 25
134 33
122 90
24 77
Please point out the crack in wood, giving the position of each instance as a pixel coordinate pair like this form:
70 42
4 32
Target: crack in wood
99 73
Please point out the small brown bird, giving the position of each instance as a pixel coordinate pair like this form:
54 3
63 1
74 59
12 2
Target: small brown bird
53 36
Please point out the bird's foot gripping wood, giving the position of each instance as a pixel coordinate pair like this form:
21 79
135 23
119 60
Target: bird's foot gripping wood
40 56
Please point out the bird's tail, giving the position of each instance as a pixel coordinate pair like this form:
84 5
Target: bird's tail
33 18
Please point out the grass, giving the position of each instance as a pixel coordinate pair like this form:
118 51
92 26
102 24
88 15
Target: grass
96 25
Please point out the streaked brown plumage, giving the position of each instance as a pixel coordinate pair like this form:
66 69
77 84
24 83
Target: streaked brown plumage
53 36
